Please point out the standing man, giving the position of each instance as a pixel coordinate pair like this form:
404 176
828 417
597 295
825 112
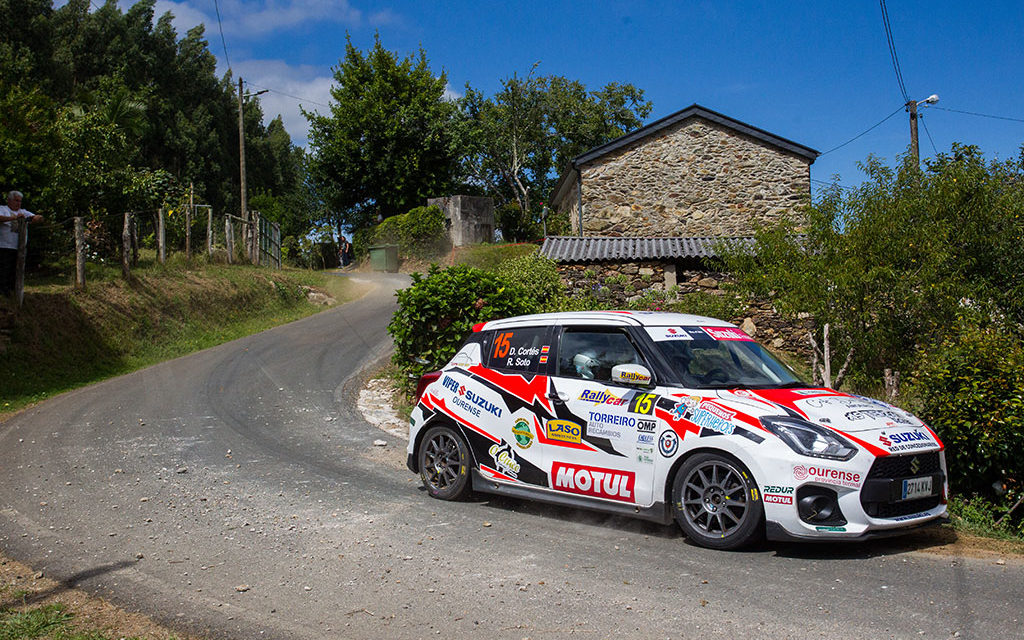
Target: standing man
9 239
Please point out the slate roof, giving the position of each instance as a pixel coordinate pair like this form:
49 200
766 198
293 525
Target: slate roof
604 249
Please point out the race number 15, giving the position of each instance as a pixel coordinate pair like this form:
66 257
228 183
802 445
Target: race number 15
643 403
502 345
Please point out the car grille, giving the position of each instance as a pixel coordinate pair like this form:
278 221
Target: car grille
904 467
896 468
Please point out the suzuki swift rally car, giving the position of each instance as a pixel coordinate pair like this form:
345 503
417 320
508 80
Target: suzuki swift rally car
670 417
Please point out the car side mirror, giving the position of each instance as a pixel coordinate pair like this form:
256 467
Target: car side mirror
634 374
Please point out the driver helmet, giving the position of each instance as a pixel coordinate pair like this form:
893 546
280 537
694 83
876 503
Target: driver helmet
586 365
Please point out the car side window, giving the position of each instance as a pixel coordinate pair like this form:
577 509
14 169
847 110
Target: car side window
591 354
519 350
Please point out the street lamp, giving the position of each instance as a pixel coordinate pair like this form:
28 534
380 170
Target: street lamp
912 106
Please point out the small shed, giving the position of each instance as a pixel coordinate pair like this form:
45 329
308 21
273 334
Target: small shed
470 219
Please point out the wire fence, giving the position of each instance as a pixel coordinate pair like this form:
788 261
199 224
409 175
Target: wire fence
104 239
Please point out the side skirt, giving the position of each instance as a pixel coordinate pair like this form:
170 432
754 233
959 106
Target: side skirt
658 512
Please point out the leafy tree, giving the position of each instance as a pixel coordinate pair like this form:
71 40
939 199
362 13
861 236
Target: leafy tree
519 140
893 264
387 143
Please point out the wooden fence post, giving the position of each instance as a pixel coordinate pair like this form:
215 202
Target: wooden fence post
126 247
188 233
229 238
160 236
19 264
209 231
135 238
80 252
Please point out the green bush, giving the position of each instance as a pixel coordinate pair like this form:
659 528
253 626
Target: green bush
539 276
437 312
515 224
420 233
981 516
971 391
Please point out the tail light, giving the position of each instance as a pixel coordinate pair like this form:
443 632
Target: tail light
425 380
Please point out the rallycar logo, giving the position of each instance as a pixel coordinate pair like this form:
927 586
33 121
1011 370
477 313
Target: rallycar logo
593 481
600 397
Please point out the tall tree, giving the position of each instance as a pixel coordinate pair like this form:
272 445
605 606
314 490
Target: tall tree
387 144
521 138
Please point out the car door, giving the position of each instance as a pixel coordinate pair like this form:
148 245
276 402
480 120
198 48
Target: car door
602 441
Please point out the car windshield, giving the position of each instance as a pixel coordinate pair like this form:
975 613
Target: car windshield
703 362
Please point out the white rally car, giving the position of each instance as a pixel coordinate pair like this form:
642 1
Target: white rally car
670 416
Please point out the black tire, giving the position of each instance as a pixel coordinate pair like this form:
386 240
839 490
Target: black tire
717 503
444 462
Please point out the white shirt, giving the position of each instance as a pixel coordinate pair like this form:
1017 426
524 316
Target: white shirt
8 236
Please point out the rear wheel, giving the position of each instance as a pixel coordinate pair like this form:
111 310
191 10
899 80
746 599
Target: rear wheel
716 502
444 463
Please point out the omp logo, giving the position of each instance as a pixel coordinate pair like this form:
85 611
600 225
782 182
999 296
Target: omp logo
593 481
646 426
564 431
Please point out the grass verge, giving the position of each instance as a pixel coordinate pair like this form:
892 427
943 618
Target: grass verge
63 337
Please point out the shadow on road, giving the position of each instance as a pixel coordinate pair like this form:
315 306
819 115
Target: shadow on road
826 550
71 582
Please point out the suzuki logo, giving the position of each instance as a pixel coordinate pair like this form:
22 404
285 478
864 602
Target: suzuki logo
915 465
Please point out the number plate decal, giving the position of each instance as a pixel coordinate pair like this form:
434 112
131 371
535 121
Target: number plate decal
916 488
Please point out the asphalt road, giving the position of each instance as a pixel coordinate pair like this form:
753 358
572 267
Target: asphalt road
238 493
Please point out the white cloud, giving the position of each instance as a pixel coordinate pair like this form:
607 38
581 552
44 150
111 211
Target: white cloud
185 17
291 86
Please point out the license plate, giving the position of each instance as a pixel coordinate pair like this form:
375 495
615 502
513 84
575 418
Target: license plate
916 488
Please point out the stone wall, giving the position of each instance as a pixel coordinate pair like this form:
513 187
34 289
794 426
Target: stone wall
696 178
622 283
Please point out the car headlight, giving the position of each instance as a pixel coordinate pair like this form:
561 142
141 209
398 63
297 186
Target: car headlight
809 439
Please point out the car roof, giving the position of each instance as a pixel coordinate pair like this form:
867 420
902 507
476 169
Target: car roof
606 318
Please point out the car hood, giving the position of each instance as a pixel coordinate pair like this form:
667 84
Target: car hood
869 421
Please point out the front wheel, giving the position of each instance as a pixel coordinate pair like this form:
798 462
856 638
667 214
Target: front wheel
716 502
444 463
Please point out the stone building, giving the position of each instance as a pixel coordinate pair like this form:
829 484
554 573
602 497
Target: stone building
695 173
470 219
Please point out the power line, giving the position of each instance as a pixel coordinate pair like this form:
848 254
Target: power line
929 133
898 109
288 95
892 51
223 42
982 115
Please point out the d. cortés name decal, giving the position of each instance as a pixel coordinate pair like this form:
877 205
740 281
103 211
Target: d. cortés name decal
593 481
466 399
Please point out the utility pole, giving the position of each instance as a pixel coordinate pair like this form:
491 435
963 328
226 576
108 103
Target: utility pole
241 151
251 228
912 106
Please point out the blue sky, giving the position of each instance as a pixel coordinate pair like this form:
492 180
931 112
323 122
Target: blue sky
817 73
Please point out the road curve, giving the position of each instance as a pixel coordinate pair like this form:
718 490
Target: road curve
237 493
